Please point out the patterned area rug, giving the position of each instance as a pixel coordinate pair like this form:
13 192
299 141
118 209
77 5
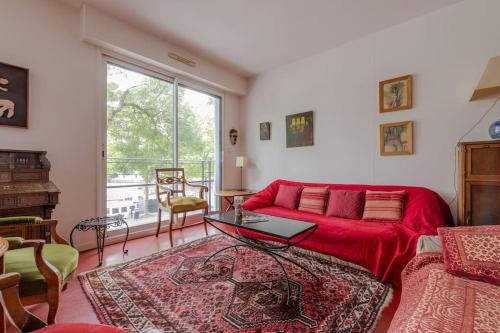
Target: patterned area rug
242 291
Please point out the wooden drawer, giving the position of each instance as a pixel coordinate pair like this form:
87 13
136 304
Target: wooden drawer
482 162
27 176
8 202
5 176
482 203
32 200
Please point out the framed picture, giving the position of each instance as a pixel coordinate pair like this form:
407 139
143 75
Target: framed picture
396 138
396 94
265 131
13 95
299 130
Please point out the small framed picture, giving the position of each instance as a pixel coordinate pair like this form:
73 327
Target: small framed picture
299 130
265 131
396 138
13 96
396 94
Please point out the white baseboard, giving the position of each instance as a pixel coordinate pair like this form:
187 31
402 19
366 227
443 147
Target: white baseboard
118 236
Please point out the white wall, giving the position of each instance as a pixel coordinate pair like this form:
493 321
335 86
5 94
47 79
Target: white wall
44 36
446 51
110 33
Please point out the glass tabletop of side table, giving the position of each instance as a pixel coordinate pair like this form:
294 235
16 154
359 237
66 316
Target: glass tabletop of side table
287 231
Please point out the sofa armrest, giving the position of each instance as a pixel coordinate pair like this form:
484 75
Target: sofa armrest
14 242
263 198
428 244
49 272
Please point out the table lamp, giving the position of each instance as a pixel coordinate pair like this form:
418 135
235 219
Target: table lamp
489 86
240 163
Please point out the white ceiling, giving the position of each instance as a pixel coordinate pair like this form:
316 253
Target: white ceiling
252 36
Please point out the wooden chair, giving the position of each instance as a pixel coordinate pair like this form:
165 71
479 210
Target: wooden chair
27 322
44 269
171 196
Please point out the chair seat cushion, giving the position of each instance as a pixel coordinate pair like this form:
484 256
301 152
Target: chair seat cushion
63 257
186 204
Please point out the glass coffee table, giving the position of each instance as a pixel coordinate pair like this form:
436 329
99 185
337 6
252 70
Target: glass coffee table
288 232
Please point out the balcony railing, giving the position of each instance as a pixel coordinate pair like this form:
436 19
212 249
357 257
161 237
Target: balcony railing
130 194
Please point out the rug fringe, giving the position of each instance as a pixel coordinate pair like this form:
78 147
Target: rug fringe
388 300
94 303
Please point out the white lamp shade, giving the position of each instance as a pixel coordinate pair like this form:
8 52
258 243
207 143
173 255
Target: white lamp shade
240 161
489 84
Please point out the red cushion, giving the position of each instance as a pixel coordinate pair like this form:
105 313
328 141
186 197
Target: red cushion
288 196
313 199
79 328
384 205
346 204
472 252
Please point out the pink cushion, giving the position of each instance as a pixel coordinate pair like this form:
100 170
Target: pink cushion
313 199
288 196
384 206
346 204
472 252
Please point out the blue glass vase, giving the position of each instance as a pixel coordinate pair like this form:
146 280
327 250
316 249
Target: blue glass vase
495 130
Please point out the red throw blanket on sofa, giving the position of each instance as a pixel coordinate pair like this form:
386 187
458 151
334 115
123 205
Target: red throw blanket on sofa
382 247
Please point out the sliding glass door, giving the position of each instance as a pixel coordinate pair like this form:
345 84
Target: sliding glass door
198 139
153 122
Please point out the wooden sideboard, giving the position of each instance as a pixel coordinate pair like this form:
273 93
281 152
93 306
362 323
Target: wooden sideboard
25 188
479 183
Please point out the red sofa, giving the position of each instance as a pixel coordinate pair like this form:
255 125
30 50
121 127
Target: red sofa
382 247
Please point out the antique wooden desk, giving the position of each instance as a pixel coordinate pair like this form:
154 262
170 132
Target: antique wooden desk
25 188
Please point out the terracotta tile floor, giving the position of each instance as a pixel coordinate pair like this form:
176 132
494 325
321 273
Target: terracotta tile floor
75 307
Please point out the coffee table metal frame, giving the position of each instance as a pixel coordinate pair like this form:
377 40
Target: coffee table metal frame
100 225
267 248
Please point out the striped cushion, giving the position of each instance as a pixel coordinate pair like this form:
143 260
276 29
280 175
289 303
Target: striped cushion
386 206
313 199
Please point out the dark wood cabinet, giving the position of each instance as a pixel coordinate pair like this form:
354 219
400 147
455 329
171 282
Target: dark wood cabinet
479 183
25 188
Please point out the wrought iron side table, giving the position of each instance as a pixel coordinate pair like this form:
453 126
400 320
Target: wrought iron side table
100 225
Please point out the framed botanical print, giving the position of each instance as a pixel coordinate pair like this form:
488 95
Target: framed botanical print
396 138
396 94
13 95
299 130
265 131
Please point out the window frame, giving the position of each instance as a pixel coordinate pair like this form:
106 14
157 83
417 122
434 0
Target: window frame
176 80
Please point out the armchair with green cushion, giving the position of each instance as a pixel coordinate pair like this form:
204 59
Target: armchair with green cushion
44 268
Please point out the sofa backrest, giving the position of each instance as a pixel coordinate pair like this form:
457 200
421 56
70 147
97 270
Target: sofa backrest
424 211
